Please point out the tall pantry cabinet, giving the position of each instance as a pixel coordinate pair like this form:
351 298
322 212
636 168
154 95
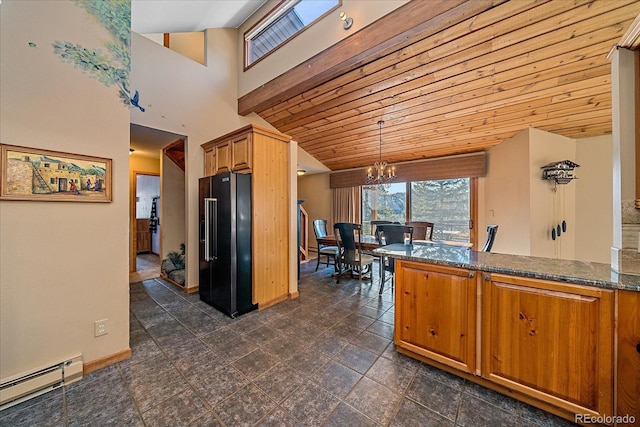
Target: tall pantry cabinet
264 154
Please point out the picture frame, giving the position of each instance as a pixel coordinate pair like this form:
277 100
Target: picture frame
45 175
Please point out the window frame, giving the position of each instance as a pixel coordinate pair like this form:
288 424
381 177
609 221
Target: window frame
473 208
271 17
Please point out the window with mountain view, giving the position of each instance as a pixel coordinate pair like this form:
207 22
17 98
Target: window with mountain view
284 22
446 203
383 202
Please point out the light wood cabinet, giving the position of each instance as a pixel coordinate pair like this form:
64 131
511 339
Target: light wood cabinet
143 236
435 314
223 157
241 153
628 357
230 154
550 340
210 162
548 343
264 154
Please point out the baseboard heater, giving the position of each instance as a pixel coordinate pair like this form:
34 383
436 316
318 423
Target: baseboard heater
19 388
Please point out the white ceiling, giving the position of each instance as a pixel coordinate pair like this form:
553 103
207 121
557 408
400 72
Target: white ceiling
180 16
173 16
176 16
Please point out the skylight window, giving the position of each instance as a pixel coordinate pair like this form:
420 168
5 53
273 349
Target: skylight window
283 23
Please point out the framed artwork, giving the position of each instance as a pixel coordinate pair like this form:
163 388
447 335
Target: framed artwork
34 174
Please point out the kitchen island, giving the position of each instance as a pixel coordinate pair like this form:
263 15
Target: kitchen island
553 333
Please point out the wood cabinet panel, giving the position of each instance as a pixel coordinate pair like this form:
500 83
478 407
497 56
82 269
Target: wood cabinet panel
628 387
241 153
209 162
271 219
143 236
223 158
550 340
435 313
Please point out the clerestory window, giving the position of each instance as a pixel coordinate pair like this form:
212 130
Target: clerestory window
283 23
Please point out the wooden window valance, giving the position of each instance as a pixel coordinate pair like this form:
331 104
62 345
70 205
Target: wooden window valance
464 166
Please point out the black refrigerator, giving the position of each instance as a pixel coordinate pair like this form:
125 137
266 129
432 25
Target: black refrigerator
225 243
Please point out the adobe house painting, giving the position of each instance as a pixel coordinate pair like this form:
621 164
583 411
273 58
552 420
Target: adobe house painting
30 174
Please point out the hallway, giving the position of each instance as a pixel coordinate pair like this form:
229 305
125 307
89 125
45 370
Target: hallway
147 267
324 359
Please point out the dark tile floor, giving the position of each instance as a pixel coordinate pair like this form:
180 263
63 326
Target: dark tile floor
324 359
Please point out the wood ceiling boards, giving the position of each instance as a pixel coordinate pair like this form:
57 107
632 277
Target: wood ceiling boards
451 77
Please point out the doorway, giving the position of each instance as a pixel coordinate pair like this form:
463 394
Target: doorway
150 240
147 226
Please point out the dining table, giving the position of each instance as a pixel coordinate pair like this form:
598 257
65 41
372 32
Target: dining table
368 242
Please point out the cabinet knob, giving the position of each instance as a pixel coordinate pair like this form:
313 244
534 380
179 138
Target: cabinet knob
487 277
471 275
638 347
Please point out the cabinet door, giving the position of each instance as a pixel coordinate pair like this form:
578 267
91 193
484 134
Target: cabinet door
241 153
549 340
628 387
209 162
223 157
435 314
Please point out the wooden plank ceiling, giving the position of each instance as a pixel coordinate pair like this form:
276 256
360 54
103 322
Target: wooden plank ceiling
451 77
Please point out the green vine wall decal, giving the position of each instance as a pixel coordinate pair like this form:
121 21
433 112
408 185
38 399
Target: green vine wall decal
111 68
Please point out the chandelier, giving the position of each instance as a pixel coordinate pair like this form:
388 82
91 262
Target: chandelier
380 172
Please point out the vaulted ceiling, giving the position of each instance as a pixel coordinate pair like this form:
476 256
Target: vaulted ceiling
451 77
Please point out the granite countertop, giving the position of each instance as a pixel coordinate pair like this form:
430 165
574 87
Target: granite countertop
577 272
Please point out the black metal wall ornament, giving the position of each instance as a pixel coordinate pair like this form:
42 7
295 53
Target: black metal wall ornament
559 172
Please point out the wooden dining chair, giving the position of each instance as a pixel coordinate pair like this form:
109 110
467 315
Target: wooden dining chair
351 258
390 234
374 227
422 230
331 252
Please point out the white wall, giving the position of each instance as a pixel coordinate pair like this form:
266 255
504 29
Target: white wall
147 187
63 264
504 196
549 208
313 40
315 191
200 102
594 198
173 206
525 207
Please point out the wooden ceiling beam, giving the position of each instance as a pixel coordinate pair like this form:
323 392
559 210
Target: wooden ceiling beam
393 64
392 32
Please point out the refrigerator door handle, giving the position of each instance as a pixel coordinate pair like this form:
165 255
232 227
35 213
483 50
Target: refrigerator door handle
210 229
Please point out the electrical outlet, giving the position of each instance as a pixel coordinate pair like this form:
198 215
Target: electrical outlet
100 327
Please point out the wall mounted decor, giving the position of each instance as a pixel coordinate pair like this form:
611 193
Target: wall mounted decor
43 175
112 65
560 172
